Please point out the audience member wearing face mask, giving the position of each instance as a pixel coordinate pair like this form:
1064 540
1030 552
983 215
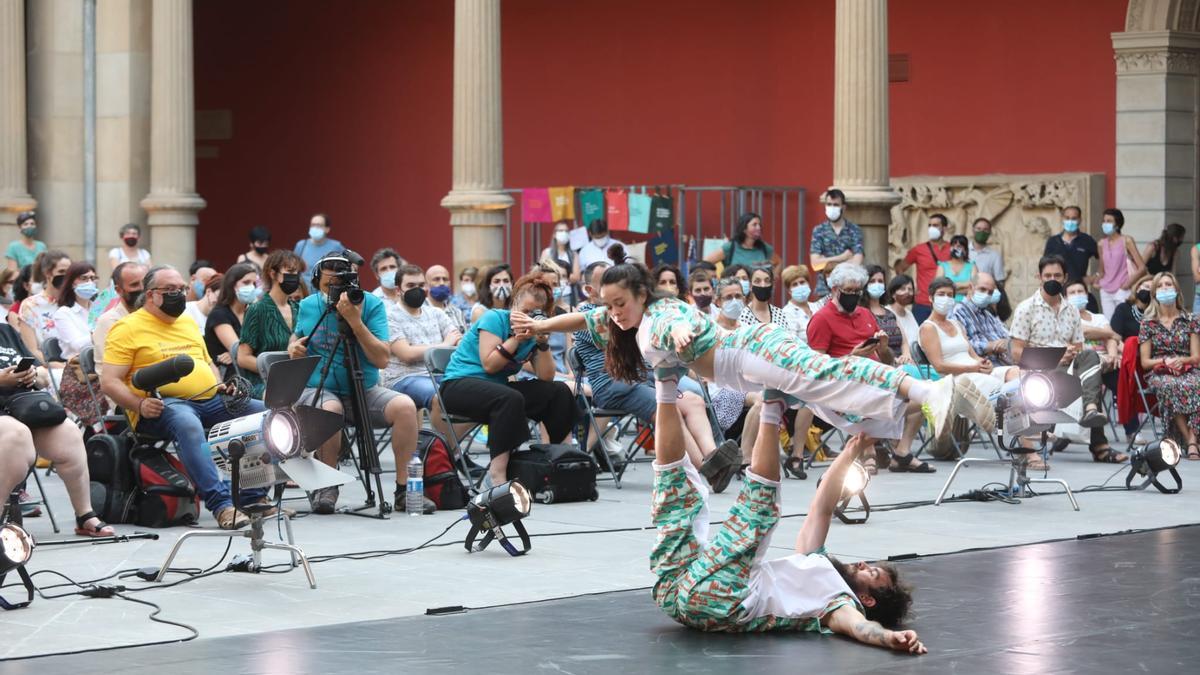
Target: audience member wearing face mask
268 323
801 304
129 250
495 291
926 256
959 267
239 290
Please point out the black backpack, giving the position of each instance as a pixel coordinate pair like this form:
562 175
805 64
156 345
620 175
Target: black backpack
165 496
110 467
555 472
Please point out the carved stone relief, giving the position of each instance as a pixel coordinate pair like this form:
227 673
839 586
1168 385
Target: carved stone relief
1024 211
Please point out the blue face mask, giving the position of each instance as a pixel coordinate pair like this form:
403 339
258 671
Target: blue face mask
745 287
558 292
388 279
1078 301
87 290
316 233
800 293
981 299
198 289
440 293
1070 225
995 296
875 290
1166 296
944 304
1108 228
247 294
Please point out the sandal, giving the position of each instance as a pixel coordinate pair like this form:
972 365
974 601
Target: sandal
1106 455
1193 454
793 467
1036 463
100 529
870 465
727 454
905 465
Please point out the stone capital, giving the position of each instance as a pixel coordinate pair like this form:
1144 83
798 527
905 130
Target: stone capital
1162 52
173 208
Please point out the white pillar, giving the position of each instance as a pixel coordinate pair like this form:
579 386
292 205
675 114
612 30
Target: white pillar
172 204
14 188
478 206
860 120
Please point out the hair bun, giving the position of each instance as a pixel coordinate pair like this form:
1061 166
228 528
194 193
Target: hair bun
616 253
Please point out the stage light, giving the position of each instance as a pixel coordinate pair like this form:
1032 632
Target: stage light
1037 391
856 480
282 434
16 548
491 510
1151 460
854 486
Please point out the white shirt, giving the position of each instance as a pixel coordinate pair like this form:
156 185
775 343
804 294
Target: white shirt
389 303
143 256
594 250
71 324
908 325
192 309
797 320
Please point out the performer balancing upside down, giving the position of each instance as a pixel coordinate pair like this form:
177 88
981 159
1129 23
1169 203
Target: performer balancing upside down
726 585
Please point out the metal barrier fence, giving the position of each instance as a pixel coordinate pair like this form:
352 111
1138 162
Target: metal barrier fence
700 212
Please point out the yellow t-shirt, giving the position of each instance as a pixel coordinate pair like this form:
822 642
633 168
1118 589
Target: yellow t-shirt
140 340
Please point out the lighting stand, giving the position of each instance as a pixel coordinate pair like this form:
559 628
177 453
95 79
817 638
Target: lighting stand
1018 480
14 516
492 531
255 531
840 509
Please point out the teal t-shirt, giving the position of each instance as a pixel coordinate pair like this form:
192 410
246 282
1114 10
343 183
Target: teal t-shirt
322 339
466 362
17 251
758 256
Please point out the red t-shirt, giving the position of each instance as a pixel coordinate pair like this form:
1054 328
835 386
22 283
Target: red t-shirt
836 333
927 266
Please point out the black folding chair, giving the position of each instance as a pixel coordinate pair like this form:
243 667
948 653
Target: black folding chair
436 360
619 420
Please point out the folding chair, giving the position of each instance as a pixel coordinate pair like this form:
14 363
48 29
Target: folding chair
87 363
233 350
436 360
41 500
591 412
52 350
1151 410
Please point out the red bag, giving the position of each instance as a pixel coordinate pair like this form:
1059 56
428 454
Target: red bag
442 485
164 495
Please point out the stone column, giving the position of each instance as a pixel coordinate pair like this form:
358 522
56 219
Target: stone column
1158 105
860 121
172 204
14 190
478 206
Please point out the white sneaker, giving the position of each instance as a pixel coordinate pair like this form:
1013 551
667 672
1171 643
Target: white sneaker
972 403
938 407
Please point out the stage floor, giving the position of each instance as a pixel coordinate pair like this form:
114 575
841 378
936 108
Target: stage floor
1112 604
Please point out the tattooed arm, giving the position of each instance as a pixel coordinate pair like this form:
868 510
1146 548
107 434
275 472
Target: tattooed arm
847 620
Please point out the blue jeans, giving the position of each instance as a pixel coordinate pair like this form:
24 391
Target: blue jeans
184 422
637 398
417 387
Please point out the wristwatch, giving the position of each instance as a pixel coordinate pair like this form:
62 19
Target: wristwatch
543 346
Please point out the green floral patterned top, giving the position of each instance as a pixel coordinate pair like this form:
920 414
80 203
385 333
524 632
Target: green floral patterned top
654 333
264 330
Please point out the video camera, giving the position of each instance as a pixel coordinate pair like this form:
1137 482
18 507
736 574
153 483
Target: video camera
345 279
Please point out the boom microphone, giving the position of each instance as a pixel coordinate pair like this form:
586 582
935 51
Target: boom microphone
163 373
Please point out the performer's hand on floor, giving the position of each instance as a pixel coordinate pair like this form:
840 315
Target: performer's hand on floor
906 641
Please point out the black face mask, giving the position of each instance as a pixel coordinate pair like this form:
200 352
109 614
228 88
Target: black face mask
58 280
131 298
762 293
173 304
131 241
702 301
262 250
1143 296
848 301
1053 287
414 297
290 282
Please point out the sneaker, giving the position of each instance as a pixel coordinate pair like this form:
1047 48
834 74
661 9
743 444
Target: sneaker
324 501
937 408
973 404
230 518
427 505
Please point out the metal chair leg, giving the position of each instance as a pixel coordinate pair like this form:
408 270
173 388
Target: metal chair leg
45 502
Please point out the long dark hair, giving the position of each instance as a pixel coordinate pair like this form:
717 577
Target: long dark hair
743 223
681 291
1167 242
622 356
66 297
885 299
483 290
233 277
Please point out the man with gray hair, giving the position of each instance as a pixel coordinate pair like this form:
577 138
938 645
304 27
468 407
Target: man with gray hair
985 331
843 326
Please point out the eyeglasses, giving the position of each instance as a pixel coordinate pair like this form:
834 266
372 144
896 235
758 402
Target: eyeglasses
168 289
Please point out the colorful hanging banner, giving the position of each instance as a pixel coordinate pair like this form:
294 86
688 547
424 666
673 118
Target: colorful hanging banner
591 202
664 250
617 202
662 211
535 205
562 203
639 212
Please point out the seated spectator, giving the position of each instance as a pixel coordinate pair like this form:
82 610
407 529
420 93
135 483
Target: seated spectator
260 246
742 274
156 332
898 298
413 328
700 291
959 267
977 315
318 244
760 309
127 280
268 322
466 297
74 335
1046 320
1170 353
1097 334
1127 317
201 271
946 346
385 407
37 311
200 310
24 249
495 292
61 444
438 278
8 279
800 306
128 251
559 343
597 246
667 279
476 382
239 290
876 301
730 302
385 265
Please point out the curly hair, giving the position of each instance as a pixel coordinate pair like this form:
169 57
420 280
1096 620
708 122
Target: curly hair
892 602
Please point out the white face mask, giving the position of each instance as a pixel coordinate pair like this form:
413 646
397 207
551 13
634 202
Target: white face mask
561 237
935 233
944 304
732 309
36 288
468 288
833 212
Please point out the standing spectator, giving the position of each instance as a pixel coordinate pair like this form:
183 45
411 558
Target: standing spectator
746 246
239 290
37 311
1160 253
597 246
876 301
959 267
496 292
1118 254
467 295
1127 317
200 309
700 291
74 334
128 251
268 322
559 252
385 264
22 250
438 278
987 259
318 244
260 246
1075 248
926 257
985 332
1046 320
201 271
760 309
835 240
798 310
667 278
127 279
1170 351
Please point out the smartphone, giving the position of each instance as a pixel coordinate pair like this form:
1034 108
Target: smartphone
870 342
25 364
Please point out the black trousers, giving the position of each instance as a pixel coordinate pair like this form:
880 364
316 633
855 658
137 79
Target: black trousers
506 407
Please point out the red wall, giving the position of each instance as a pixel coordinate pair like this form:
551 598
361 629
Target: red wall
346 106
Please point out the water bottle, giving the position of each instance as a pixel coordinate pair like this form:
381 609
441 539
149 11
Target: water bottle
414 495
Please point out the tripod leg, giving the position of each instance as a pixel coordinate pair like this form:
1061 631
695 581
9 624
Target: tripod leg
184 537
296 553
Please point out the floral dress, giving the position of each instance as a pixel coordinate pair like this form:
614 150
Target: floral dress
1177 394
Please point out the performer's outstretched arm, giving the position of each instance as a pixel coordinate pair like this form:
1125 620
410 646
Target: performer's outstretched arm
847 620
820 511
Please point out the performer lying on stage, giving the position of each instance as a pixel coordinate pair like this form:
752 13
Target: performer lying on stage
726 585
638 324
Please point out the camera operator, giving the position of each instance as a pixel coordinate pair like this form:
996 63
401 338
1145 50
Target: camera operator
317 332
158 331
